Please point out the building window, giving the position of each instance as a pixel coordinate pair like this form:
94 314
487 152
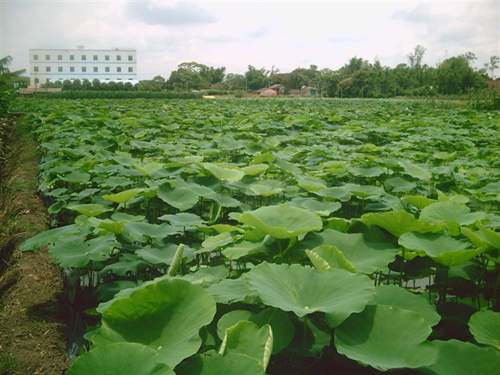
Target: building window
84 69
35 69
95 57
59 57
47 57
47 69
84 57
118 70
96 69
37 81
71 57
118 58
60 69
130 70
71 69
35 57
130 58
106 57
106 69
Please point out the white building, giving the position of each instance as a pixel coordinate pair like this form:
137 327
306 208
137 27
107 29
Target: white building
50 65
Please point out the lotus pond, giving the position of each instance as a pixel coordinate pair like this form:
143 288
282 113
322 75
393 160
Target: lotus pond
275 236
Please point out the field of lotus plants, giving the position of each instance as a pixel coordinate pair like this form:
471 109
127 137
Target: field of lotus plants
275 237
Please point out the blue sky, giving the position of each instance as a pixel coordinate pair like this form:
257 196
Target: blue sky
280 34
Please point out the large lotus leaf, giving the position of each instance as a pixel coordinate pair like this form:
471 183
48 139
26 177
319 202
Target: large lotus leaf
107 225
148 168
415 170
76 252
463 358
337 193
166 316
223 173
51 236
418 201
89 209
397 296
156 255
267 188
182 198
304 290
122 197
255 169
182 219
367 171
399 185
366 257
127 263
321 208
215 243
364 191
399 222
311 184
121 358
386 337
241 249
326 257
283 220
440 247
213 363
144 231
76 177
485 326
232 290
283 329
247 338
450 212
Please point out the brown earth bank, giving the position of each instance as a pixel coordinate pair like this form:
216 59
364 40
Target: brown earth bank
33 307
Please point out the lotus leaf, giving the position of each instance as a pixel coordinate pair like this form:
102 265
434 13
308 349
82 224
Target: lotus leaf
90 209
415 170
122 197
386 337
182 198
51 236
232 290
463 358
121 358
143 231
166 316
326 257
485 326
213 363
241 249
304 290
450 212
223 173
282 221
337 193
321 208
182 219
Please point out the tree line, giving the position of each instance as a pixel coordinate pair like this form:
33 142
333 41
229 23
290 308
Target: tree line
357 78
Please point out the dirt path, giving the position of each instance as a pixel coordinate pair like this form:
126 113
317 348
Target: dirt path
33 321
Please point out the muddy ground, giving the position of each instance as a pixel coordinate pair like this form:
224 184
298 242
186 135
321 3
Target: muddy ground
33 306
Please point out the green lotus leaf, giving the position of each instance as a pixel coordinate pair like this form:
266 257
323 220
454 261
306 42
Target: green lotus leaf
321 208
326 257
241 249
283 220
247 338
440 247
283 329
304 290
337 193
415 170
76 177
399 185
232 290
386 337
166 316
223 173
485 327
122 197
463 358
89 209
107 225
399 222
450 212
51 236
155 255
76 252
121 358
215 243
367 257
397 296
143 231
267 188
418 201
364 191
311 184
367 171
255 169
183 219
148 168
213 363
127 263
182 198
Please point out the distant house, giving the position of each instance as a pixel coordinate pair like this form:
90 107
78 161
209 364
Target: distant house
267 92
494 85
279 88
310 91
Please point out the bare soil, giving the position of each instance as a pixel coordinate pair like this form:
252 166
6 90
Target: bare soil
33 306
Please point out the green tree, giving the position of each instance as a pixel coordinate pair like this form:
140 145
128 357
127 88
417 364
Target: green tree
455 76
256 78
235 81
6 90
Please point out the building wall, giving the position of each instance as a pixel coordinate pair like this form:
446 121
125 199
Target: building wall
50 65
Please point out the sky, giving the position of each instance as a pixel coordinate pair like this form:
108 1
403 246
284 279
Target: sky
280 35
